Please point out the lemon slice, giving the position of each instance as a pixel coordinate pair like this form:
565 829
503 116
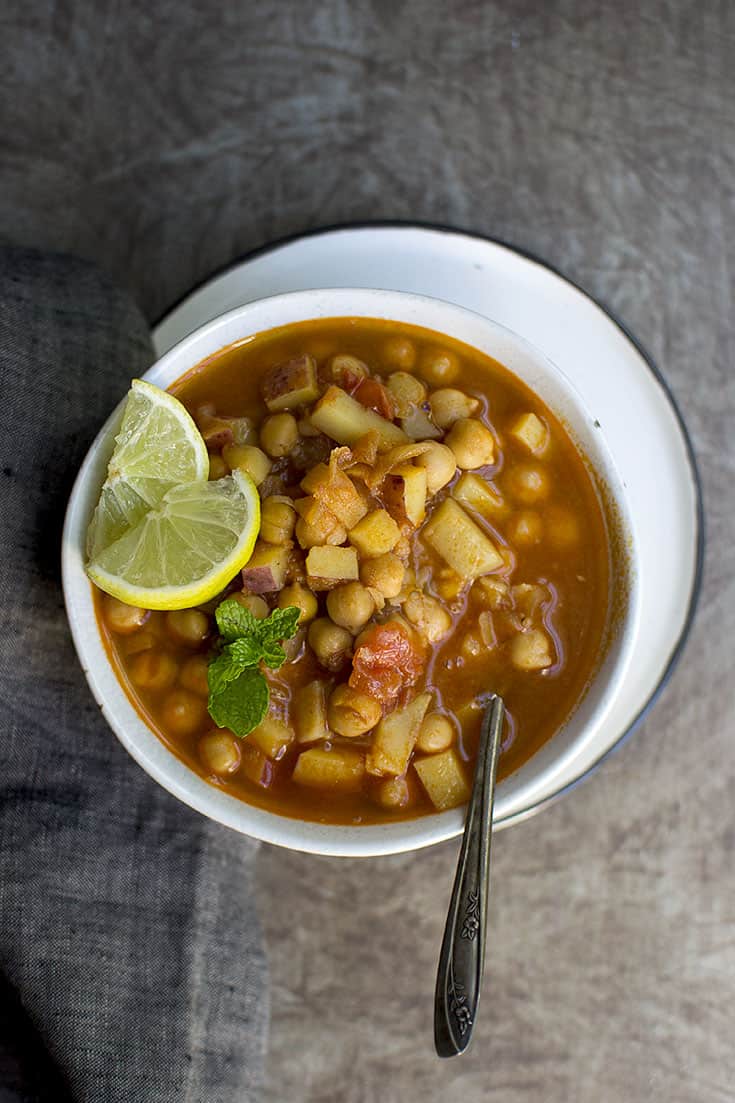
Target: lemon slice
185 550
158 447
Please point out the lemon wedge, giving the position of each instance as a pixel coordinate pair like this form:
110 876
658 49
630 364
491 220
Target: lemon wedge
185 550
157 447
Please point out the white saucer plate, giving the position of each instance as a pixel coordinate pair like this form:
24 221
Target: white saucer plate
618 382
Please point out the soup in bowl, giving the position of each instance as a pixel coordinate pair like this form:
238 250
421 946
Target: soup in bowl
441 516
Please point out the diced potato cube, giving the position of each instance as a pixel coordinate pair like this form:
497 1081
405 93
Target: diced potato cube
290 384
327 567
530 431
345 420
340 768
271 737
318 476
476 493
266 569
395 737
246 457
255 765
404 494
461 542
310 713
216 432
443 778
417 425
376 534
531 650
337 492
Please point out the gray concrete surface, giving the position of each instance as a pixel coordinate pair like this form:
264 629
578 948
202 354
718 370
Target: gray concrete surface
163 140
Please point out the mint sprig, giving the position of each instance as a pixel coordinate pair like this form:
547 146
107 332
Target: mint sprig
238 690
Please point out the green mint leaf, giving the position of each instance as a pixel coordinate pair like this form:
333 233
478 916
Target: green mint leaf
282 624
242 704
235 621
222 670
274 656
246 651
235 657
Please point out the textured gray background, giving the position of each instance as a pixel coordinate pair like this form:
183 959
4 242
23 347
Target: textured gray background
165 139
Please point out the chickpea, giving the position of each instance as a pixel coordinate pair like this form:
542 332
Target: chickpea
384 573
525 528
409 585
350 606
352 713
531 650
257 605
300 597
427 615
330 643
121 618
472 443
277 521
183 712
440 466
193 675
435 734
449 585
188 626
140 641
217 467
449 405
492 592
439 367
399 352
393 792
246 457
154 670
321 348
220 752
406 390
528 482
563 527
279 434
471 645
343 366
314 536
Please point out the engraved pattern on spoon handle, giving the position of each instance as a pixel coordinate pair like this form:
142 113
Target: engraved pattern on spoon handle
462 956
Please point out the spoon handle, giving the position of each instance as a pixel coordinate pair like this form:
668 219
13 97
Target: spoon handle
463 948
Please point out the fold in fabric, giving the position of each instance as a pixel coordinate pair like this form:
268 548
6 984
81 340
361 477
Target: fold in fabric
131 964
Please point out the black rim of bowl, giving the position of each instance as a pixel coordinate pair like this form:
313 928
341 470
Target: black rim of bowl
527 254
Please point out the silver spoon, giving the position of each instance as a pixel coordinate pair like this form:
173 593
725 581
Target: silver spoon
462 957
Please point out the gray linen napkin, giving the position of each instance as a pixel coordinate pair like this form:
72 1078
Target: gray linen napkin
131 966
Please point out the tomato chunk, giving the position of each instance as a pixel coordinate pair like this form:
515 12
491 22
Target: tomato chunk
388 659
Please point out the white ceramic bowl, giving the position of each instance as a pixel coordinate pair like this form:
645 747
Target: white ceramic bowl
548 772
